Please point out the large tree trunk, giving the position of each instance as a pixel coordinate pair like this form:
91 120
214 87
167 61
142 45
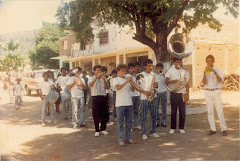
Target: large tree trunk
160 50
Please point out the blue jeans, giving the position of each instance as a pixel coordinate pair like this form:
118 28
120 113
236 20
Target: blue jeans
145 106
162 97
45 104
136 104
124 111
114 103
75 103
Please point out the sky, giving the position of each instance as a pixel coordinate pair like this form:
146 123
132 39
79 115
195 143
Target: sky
23 15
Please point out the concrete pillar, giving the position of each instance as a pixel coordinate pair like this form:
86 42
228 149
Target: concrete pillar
93 62
70 65
117 60
124 58
99 61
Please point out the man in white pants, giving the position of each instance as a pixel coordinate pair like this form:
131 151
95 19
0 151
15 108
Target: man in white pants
212 79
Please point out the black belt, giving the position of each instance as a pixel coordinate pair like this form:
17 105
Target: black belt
212 89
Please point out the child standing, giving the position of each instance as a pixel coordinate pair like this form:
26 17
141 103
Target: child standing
18 90
46 86
123 104
11 86
161 95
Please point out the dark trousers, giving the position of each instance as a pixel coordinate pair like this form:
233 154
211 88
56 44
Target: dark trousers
177 103
85 96
99 112
107 104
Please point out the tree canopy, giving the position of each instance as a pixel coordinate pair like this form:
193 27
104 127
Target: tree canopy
47 46
152 20
11 59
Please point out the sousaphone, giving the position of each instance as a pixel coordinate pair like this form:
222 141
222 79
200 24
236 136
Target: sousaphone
180 46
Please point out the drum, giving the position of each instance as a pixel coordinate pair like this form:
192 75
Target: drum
52 96
66 95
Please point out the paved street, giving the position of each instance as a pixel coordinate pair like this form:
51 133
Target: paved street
23 138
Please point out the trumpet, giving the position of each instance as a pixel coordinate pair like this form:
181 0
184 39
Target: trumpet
136 85
77 79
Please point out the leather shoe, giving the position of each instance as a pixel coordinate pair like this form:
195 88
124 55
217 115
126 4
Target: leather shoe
224 133
211 132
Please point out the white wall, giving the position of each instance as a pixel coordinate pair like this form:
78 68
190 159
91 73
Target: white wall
125 40
112 40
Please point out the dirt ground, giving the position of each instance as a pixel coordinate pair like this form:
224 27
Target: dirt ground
22 138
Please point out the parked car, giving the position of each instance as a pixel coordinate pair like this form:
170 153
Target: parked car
31 80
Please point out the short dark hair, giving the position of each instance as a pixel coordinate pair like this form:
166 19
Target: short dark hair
121 66
137 63
63 68
97 67
176 59
79 69
159 65
211 57
104 69
114 71
45 73
131 65
84 72
147 61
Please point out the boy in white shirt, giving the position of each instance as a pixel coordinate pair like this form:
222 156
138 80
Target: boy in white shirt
114 75
212 79
173 75
77 97
123 104
98 86
46 86
62 82
135 97
145 104
162 95
18 91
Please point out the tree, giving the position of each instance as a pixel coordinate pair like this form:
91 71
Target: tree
47 46
11 59
152 20
10 46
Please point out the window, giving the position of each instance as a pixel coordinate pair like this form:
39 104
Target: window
82 45
65 45
104 38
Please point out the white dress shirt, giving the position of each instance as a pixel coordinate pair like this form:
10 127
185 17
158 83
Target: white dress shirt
76 92
98 87
212 79
45 87
62 81
18 89
161 84
175 74
147 83
111 84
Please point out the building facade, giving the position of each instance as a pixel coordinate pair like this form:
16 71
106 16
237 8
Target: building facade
116 46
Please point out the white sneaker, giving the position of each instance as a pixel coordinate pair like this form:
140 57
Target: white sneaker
144 137
97 134
138 127
182 131
104 132
172 131
154 135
